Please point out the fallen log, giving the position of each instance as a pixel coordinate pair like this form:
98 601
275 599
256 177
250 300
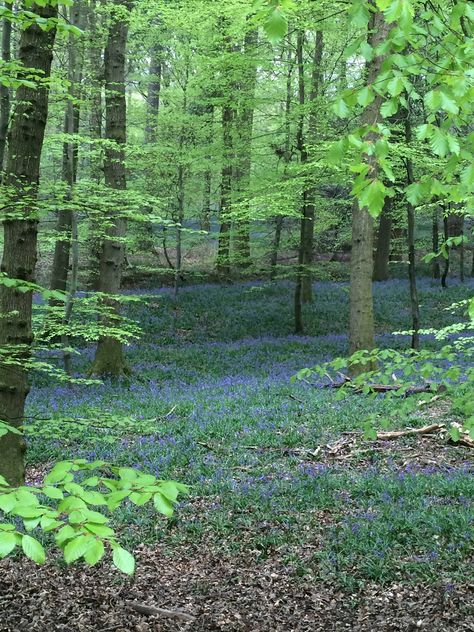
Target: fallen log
396 434
162 612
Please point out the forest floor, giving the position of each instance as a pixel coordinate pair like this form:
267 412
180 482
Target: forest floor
294 521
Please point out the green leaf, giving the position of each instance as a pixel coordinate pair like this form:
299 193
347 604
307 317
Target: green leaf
7 543
58 473
53 492
365 96
389 108
99 529
439 142
276 25
340 108
359 14
76 548
163 505
95 552
454 433
395 86
33 549
372 197
124 560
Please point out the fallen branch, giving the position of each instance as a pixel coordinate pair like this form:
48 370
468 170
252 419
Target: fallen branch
396 434
162 612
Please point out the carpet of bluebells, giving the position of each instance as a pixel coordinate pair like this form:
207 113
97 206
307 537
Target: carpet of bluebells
210 403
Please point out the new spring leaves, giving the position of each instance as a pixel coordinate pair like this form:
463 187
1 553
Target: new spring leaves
65 507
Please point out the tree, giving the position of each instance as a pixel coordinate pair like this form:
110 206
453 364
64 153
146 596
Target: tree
361 320
109 358
20 223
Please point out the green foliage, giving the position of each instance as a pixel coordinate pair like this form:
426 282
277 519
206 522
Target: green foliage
65 507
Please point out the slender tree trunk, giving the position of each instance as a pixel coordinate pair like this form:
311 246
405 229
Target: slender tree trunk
361 317
444 276
415 307
5 91
435 240
223 251
382 251
60 267
461 253
286 156
25 143
154 93
245 132
206 203
109 359
307 243
96 111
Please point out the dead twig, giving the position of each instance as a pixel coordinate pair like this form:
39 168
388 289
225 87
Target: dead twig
396 434
162 612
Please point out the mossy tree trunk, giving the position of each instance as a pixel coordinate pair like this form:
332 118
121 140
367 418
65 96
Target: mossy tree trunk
25 141
109 358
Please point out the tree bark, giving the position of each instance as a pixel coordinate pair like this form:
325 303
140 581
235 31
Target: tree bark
286 156
60 266
444 276
435 240
223 251
414 305
382 251
154 93
361 316
5 91
109 359
245 131
25 141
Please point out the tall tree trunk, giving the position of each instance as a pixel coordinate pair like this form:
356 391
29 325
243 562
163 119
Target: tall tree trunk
25 141
5 91
286 155
223 251
361 316
60 267
245 132
307 244
435 241
461 253
154 93
414 305
109 359
382 250
95 85
444 276
206 202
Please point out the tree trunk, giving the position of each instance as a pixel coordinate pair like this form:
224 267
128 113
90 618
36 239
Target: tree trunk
5 91
223 251
154 93
382 251
245 132
95 86
361 317
206 203
461 253
444 276
25 143
285 154
435 237
415 308
60 266
109 359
